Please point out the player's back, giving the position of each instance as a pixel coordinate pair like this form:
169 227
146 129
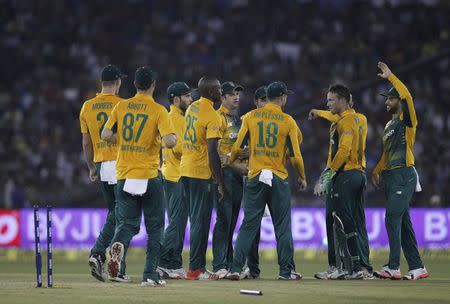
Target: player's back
93 116
270 132
138 136
202 122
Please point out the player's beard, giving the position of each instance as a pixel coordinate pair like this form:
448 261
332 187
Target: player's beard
392 109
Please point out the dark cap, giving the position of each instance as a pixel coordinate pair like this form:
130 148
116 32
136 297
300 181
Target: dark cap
261 92
277 88
144 77
229 87
391 93
112 72
177 89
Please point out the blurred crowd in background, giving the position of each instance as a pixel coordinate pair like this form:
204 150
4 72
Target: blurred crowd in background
53 51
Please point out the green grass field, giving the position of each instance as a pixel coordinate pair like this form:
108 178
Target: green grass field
73 284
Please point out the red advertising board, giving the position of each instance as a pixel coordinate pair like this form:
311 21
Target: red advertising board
9 228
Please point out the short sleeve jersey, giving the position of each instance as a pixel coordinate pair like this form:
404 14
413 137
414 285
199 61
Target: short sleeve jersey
93 116
140 124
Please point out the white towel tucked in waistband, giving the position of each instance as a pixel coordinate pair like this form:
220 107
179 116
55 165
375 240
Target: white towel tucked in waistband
108 172
135 186
266 177
418 186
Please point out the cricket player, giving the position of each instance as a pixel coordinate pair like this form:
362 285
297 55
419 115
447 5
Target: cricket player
346 178
332 272
100 158
269 132
141 122
171 263
228 211
200 164
252 270
396 167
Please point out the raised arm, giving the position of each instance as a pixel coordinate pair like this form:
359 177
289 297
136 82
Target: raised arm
409 113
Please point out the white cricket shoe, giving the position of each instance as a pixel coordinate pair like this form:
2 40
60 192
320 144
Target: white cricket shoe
386 273
151 283
96 265
219 274
121 278
417 274
116 251
294 276
247 275
207 275
174 274
234 276
332 271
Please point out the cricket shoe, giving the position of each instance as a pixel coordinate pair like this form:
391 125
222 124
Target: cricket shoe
121 278
174 274
247 275
417 274
153 283
96 264
219 274
294 276
386 273
356 275
233 276
332 271
116 252
367 275
197 274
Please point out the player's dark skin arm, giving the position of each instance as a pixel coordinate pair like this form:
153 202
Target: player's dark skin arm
214 164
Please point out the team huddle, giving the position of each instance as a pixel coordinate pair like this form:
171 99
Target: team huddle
185 161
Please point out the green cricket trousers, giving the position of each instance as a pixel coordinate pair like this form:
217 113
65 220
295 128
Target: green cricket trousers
399 187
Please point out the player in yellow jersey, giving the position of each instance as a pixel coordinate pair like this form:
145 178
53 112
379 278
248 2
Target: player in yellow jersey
228 211
100 158
332 272
268 131
347 177
396 166
252 270
140 123
200 163
171 263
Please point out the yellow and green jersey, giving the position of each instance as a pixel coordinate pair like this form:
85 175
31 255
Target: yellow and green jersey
93 116
348 142
140 123
400 133
202 122
333 118
170 167
268 132
231 125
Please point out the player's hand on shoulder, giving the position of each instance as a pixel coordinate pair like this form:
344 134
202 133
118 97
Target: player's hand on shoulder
312 114
385 71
